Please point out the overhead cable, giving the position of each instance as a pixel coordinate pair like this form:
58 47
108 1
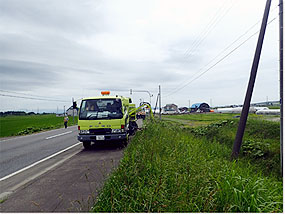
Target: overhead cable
211 26
32 98
236 40
220 60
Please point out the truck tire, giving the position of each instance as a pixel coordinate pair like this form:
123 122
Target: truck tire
133 127
124 143
87 145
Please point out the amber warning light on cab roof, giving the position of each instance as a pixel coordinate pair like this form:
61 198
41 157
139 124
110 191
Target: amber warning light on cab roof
105 93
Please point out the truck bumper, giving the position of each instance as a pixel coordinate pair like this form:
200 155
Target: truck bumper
106 137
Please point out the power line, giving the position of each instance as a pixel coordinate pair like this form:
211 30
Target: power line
32 98
21 93
216 20
224 57
236 40
211 26
188 50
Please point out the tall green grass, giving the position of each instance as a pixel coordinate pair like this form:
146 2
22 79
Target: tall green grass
261 142
21 125
169 169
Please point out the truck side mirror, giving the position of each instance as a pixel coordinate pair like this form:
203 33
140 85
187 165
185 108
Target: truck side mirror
74 105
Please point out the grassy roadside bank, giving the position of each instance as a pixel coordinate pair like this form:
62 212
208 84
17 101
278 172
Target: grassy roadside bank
167 168
190 120
22 125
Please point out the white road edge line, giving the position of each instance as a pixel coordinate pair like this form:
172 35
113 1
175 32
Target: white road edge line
38 162
24 136
58 135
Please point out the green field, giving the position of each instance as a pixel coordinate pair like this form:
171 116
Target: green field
190 120
173 167
22 125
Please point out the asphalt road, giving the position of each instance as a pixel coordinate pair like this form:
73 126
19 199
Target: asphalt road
70 186
67 182
19 152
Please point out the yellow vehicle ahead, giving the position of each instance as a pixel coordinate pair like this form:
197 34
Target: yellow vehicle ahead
107 118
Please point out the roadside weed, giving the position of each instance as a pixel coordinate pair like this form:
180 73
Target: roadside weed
170 169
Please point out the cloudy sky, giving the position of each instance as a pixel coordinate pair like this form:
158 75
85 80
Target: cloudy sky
200 51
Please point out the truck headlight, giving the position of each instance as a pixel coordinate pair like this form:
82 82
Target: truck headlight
84 132
116 130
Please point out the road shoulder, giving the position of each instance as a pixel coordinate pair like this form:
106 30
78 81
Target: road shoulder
69 187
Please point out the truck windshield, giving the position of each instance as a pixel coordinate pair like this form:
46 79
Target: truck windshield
100 109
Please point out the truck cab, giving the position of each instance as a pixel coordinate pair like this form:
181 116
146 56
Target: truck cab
104 118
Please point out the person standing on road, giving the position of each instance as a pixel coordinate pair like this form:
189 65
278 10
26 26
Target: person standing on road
65 120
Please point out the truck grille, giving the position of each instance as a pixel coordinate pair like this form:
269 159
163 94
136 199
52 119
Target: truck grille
100 131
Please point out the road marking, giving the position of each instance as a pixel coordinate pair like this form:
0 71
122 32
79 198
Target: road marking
58 135
13 187
29 135
38 162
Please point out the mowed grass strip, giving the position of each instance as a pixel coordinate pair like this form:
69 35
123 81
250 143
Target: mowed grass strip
170 169
22 125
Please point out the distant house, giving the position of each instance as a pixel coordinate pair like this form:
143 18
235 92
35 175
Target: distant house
69 111
200 107
170 109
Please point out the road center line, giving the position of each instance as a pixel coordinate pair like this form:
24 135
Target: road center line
58 135
38 162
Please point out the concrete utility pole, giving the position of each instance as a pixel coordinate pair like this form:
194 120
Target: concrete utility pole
159 91
73 109
281 79
246 104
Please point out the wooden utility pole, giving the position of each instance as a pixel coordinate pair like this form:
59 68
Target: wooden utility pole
281 79
246 104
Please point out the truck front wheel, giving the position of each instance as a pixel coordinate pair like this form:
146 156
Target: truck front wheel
87 144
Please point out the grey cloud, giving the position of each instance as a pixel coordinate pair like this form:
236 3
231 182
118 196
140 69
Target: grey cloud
19 75
66 16
55 46
182 54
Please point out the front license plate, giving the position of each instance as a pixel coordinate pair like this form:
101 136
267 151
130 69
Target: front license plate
100 137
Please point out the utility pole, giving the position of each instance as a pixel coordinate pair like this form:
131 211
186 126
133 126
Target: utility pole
64 111
159 91
246 104
281 79
73 109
